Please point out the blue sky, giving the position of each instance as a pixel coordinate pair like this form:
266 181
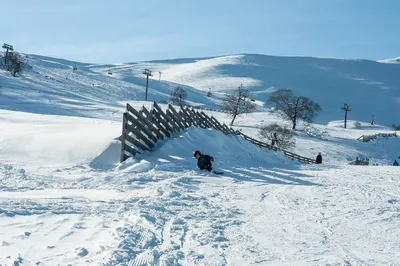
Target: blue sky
101 31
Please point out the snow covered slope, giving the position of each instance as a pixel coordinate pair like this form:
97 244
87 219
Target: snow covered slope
370 88
52 87
391 61
66 200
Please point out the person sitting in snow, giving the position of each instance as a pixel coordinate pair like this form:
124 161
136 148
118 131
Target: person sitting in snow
203 160
395 163
319 158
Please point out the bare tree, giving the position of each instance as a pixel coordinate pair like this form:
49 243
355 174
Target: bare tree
279 136
313 131
294 107
16 63
178 96
238 103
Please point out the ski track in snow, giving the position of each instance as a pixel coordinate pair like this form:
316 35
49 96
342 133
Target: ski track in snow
161 217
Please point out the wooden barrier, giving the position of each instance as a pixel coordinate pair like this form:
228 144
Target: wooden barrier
366 138
142 129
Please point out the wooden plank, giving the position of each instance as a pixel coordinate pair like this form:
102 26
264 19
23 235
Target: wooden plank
137 123
177 116
206 119
147 125
188 121
173 116
192 116
187 117
170 118
200 120
180 125
160 131
161 117
185 121
197 119
122 155
139 135
129 108
171 126
131 150
217 123
153 120
162 121
137 143
226 128
149 133
156 131
162 125
203 120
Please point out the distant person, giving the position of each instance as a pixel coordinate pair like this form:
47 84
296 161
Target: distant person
204 161
319 158
395 163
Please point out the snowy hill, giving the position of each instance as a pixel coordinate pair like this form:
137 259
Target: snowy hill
370 88
66 200
391 61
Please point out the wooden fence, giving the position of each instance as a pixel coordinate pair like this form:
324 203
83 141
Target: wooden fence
366 138
271 147
141 130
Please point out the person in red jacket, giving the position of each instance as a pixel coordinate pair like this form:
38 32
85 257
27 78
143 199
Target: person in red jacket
204 161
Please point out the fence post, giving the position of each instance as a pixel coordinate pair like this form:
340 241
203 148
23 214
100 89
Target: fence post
123 156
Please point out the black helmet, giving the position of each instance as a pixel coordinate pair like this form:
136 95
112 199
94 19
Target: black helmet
196 152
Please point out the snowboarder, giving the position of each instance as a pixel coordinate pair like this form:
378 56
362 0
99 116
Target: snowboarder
204 161
319 158
395 163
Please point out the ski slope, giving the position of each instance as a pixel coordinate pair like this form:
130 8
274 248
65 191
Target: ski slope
66 200
370 88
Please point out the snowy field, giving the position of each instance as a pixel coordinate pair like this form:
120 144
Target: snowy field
66 200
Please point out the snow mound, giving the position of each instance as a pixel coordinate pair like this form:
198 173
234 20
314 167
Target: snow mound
228 150
108 158
391 61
